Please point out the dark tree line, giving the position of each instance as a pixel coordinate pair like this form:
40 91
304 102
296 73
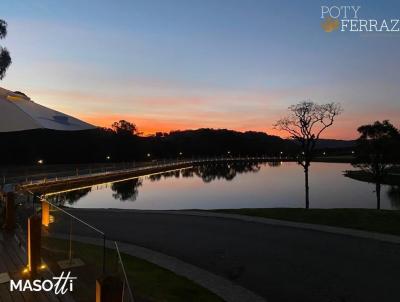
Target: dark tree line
119 145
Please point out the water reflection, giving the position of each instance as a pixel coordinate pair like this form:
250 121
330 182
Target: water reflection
275 163
235 185
126 190
394 195
70 197
227 171
158 177
129 190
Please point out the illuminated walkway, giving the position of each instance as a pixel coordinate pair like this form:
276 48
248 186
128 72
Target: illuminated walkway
64 180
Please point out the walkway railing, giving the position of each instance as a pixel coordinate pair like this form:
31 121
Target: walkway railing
69 243
69 174
127 295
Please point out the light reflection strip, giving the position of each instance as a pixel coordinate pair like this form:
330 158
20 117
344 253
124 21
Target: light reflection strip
110 182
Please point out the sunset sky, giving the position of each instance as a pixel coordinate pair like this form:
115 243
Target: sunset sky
168 65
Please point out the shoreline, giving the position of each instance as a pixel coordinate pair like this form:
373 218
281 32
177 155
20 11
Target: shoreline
57 184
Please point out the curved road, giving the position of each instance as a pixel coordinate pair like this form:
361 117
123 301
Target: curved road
279 263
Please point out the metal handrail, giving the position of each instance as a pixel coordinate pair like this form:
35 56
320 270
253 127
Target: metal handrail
72 216
54 176
124 273
42 198
125 277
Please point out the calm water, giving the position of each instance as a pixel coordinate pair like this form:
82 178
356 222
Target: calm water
240 185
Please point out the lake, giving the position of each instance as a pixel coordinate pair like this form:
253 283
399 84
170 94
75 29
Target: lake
237 185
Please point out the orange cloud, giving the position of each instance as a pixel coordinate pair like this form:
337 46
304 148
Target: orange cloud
146 125
152 125
238 111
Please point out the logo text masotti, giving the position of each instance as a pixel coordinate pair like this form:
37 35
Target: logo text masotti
60 285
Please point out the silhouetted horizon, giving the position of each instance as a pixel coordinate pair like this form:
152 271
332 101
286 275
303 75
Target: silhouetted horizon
104 145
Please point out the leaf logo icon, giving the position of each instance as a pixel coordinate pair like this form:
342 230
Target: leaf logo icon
330 24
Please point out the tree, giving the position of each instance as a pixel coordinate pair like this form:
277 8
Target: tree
377 149
305 123
5 58
124 128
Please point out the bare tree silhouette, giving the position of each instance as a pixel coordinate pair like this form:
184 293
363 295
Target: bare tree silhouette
305 123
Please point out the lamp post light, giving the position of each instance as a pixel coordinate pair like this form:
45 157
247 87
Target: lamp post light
40 161
108 157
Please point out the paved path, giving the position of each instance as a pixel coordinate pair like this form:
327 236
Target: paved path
278 262
225 289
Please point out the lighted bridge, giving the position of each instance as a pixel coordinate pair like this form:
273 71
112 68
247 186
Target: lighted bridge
88 176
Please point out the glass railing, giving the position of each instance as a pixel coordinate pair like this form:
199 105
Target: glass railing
117 269
70 244
48 174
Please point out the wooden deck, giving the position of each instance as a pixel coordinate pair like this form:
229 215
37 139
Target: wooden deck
13 261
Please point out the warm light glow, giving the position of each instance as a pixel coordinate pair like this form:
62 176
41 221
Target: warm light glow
15 98
149 126
25 270
45 214
121 180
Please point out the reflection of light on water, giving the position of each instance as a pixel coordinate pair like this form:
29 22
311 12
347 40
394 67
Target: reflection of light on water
275 163
393 194
278 184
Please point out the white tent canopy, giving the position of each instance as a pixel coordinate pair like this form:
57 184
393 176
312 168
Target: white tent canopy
18 113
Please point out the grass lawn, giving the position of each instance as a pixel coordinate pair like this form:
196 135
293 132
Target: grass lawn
154 283
381 221
149 282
